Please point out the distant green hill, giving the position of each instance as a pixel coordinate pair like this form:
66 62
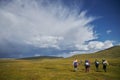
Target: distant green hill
113 52
41 57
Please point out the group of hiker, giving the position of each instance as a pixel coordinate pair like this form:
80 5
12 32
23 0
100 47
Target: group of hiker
87 64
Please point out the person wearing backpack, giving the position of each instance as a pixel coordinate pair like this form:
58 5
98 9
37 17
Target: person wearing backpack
87 65
97 64
75 64
105 63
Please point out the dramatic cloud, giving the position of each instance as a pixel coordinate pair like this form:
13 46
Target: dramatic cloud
43 24
32 22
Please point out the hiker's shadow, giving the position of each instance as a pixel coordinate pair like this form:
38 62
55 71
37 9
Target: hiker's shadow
98 71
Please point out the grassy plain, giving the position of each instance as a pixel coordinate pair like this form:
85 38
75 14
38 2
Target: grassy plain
62 68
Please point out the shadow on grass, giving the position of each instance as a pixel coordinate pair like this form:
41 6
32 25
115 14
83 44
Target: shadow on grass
98 71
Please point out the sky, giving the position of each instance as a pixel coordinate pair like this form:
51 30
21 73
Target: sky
57 27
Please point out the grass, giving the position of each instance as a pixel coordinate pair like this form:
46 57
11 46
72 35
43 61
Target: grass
58 69
55 69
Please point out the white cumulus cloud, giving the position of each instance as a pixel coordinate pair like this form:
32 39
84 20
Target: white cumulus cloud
95 45
43 26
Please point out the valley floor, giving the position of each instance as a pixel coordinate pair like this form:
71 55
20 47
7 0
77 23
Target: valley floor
55 69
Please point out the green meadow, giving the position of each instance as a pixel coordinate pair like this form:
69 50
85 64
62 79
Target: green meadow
62 68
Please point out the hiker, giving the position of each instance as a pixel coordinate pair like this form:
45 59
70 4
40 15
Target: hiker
87 65
75 64
105 63
97 64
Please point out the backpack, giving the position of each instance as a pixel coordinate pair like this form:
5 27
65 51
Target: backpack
75 63
87 64
96 62
104 63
